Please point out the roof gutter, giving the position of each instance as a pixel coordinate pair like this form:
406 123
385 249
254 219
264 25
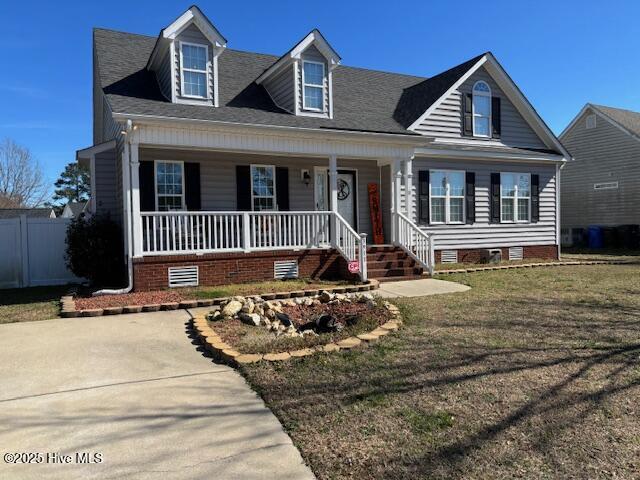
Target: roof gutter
491 156
395 138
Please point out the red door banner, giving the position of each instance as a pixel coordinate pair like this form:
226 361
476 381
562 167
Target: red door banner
376 213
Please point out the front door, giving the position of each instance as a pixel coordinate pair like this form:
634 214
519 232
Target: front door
347 194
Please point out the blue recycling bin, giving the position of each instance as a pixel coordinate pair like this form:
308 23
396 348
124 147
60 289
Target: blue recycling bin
596 239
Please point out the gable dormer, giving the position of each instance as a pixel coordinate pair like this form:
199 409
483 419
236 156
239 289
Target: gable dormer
185 59
300 81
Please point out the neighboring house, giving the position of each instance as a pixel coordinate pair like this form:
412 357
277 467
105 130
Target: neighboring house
73 209
601 187
29 212
241 166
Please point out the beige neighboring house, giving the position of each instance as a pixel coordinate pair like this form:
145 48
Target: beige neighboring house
73 209
601 186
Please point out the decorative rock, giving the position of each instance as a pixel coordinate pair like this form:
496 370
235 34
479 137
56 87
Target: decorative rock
250 319
248 306
113 310
303 352
232 308
248 358
92 312
380 332
276 357
325 297
349 342
168 306
284 319
134 308
154 307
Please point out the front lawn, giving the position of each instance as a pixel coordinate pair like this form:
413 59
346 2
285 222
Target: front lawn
29 304
531 374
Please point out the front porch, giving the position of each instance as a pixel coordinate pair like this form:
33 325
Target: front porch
235 217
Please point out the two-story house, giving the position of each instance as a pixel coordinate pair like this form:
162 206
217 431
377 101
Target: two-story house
224 165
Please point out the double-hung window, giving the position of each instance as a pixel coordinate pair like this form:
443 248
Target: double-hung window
263 187
194 70
169 186
447 196
515 197
313 86
481 109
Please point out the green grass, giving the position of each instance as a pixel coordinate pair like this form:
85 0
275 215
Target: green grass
532 373
29 304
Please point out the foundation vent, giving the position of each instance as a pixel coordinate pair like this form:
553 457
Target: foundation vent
285 269
183 277
516 253
449 256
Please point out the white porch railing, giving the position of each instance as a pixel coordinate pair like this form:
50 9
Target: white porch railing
169 233
415 242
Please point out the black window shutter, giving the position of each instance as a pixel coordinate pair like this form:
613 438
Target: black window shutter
467 117
495 198
423 196
146 176
470 197
243 188
192 186
496 123
282 188
535 198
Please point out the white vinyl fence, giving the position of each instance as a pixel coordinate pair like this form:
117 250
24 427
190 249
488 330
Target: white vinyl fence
32 252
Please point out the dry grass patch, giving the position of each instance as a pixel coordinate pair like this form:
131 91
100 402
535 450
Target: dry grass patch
531 374
30 304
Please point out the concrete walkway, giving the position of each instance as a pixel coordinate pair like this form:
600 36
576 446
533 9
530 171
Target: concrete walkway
135 390
418 288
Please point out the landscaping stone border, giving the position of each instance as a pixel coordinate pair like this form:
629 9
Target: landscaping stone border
68 305
531 265
225 353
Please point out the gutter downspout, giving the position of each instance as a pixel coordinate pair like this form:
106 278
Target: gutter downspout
126 181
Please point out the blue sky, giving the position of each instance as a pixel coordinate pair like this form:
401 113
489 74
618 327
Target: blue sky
562 54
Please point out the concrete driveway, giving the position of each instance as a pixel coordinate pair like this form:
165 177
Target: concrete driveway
136 391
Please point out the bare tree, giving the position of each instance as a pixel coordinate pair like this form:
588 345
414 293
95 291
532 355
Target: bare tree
22 182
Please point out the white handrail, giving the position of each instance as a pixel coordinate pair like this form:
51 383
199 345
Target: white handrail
417 243
351 245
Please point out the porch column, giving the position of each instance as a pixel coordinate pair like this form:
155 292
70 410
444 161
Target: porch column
396 187
333 196
408 188
136 219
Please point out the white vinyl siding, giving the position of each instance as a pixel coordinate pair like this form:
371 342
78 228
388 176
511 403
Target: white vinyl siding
482 233
446 120
281 88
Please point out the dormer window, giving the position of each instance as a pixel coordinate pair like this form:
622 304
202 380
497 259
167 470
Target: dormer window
481 109
195 76
313 84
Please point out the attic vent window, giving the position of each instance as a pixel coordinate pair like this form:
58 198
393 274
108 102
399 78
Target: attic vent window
313 83
591 121
194 70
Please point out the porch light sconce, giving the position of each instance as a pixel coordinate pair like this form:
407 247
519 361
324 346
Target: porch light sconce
306 177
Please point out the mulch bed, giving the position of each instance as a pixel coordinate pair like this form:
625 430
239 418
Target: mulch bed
140 298
302 314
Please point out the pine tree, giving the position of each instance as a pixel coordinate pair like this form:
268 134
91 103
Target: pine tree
73 184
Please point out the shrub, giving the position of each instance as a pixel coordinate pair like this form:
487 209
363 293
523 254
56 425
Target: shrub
95 250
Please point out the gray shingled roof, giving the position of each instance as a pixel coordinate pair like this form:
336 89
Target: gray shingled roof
364 100
626 118
29 212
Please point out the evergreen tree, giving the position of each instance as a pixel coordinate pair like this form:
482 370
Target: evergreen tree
73 184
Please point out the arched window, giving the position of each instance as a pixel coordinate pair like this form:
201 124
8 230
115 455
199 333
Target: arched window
481 109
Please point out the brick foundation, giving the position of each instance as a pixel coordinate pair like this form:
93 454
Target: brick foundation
548 252
151 273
